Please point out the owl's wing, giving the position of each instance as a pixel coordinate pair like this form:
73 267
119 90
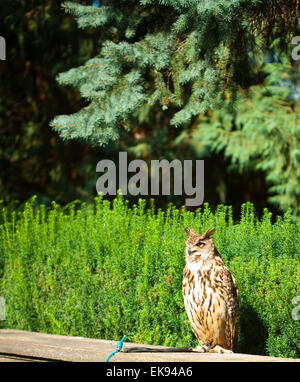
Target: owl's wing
233 311
230 289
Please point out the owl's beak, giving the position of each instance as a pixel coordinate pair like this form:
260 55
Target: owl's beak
190 250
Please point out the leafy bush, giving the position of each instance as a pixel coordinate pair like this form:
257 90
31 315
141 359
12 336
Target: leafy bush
106 270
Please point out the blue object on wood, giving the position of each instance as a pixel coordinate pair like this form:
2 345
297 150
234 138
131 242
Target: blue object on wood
119 347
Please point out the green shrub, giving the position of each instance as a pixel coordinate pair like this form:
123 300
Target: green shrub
107 270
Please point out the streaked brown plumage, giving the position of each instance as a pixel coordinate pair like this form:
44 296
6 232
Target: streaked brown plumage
210 293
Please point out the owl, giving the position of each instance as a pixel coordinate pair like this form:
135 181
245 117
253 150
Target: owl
211 295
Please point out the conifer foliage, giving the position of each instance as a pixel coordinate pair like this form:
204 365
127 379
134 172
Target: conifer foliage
187 58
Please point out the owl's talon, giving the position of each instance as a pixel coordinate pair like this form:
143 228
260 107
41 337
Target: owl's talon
200 349
220 350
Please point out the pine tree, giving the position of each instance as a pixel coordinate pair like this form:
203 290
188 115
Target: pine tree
186 59
263 133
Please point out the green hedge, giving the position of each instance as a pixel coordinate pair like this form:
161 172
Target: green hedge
107 270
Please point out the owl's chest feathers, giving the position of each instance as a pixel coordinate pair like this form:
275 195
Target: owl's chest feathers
201 280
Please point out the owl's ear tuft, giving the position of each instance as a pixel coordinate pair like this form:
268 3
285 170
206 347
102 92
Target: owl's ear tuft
209 232
189 231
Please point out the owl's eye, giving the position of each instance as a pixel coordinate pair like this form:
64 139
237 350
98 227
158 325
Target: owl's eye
201 245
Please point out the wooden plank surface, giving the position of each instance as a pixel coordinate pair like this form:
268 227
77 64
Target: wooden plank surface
20 344
16 358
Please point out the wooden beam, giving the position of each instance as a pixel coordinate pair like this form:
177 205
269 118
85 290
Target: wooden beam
41 346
